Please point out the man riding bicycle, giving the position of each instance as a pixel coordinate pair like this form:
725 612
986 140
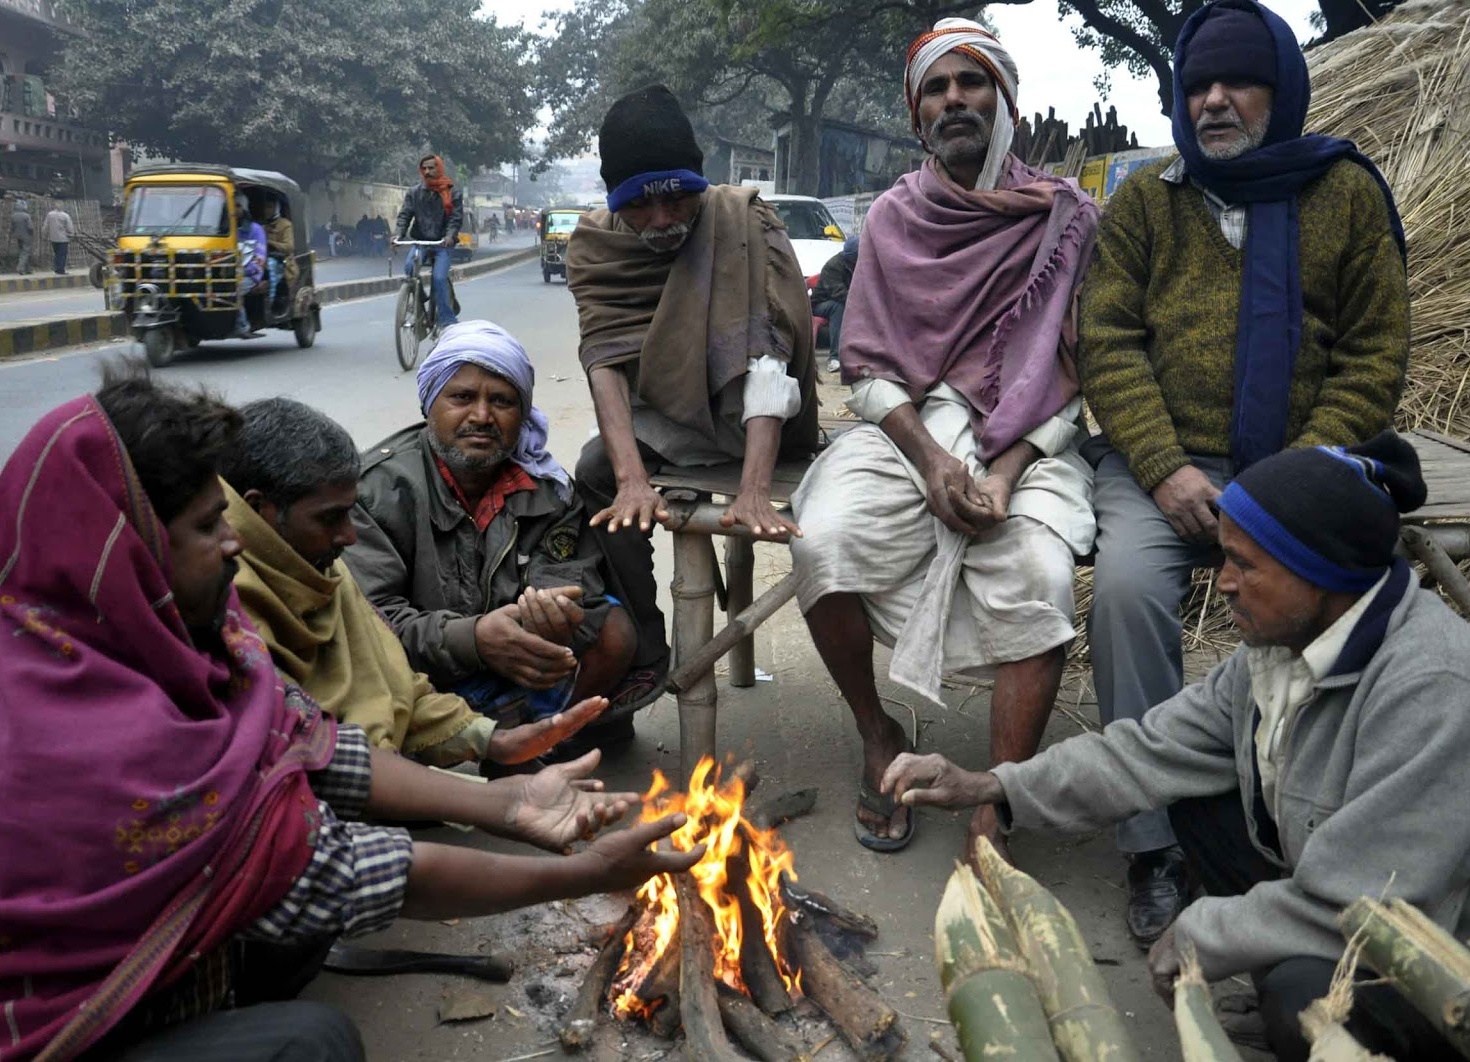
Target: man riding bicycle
433 211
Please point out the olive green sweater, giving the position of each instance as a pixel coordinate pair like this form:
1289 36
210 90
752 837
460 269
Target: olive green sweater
1158 325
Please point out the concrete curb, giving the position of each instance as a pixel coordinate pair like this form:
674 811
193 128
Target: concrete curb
48 282
20 340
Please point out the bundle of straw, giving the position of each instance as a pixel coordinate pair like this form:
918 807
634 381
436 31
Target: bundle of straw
1400 89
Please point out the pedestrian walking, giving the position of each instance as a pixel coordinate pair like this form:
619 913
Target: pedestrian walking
57 228
24 235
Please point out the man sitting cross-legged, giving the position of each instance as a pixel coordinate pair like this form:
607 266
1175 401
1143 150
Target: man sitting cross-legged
291 483
1323 761
946 524
474 546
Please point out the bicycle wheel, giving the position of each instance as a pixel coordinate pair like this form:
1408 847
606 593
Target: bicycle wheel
408 326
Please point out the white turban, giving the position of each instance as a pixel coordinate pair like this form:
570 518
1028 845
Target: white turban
975 41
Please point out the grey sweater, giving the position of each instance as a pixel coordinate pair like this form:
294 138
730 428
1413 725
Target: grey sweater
1373 785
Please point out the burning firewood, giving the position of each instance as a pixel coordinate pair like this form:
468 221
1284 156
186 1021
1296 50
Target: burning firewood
757 965
578 1022
704 1032
781 808
660 989
827 909
869 1025
757 1033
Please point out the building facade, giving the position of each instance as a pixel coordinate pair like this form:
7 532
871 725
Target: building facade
43 149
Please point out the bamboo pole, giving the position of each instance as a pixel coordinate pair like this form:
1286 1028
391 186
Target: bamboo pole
1323 1022
694 623
1085 1026
740 627
740 578
1201 1039
990 996
1429 553
1429 967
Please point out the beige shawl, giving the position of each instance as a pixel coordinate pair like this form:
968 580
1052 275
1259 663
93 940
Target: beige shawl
690 319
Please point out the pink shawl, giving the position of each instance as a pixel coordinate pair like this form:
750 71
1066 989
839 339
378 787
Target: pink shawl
150 793
973 289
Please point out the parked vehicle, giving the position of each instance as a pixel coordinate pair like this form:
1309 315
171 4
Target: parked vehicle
176 271
815 236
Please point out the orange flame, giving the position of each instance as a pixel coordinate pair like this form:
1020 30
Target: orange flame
715 809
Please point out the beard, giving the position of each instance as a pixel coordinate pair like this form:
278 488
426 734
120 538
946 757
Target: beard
477 464
960 138
1249 135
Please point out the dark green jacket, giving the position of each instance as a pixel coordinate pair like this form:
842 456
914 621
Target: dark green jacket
420 559
1159 310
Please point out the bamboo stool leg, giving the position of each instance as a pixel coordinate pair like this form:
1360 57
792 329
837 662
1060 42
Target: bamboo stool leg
693 592
740 579
1444 571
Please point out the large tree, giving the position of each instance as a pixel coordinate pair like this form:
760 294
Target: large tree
309 88
795 57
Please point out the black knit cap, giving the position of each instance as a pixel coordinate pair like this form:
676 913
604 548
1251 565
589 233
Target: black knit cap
646 132
1232 44
1330 513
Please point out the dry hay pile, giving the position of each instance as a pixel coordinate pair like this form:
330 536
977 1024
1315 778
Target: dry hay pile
1400 89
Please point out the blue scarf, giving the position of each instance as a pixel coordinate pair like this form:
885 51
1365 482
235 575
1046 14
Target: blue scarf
1267 180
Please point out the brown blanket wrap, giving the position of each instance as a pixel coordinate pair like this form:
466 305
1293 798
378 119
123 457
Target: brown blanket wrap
688 320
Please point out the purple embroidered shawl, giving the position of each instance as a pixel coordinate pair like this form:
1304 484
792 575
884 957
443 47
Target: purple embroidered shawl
973 289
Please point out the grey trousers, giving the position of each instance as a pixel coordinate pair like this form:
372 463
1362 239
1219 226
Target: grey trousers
23 259
1140 576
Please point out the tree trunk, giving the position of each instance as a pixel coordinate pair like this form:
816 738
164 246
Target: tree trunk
806 150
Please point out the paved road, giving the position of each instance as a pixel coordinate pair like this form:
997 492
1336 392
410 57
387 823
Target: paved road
795 725
73 302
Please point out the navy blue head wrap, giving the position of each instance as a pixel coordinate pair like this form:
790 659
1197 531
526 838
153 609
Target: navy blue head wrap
1267 180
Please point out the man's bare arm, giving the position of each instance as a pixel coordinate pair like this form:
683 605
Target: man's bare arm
636 501
752 506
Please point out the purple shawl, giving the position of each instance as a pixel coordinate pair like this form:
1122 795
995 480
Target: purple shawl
148 790
973 289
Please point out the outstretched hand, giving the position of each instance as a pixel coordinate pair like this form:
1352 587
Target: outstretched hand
521 744
562 804
625 859
931 779
635 504
753 509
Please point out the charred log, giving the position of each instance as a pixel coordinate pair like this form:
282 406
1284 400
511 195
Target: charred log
869 1025
827 909
704 1032
578 1023
757 1033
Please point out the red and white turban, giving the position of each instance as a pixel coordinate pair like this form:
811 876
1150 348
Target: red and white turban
975 41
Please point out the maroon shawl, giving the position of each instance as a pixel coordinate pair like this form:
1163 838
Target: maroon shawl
973 289
153 799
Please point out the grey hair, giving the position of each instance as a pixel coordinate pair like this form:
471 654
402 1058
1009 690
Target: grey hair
287 450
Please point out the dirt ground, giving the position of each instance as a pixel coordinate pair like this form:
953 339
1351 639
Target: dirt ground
800 733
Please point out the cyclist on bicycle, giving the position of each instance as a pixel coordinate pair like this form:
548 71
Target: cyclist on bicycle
433 211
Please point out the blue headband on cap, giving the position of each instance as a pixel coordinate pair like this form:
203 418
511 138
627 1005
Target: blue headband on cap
655 182
1273 537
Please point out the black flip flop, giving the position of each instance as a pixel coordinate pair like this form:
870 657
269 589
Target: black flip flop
879 803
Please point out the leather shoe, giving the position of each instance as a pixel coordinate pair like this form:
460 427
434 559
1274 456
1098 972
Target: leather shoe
1158 890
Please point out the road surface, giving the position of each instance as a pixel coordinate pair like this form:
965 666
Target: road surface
794 724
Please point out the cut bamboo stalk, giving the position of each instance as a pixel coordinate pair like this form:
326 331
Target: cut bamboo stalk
1085 1026
866 1022
1330 1041
704 1031
1429 967
755 1032
1201 1038
742 626
988 990
579 1022
693 592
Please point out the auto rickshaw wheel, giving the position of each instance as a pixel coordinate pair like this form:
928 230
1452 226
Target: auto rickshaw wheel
305 329
546 274
158 346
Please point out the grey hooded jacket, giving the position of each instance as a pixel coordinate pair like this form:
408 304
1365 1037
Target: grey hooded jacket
1372 798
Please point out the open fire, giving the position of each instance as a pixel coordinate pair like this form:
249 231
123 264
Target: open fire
738 880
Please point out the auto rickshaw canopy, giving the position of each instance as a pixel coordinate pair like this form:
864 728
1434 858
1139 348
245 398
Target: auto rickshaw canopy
255 184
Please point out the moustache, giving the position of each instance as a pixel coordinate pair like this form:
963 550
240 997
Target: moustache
490 433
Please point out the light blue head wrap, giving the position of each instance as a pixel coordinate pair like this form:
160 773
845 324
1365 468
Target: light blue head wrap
495 350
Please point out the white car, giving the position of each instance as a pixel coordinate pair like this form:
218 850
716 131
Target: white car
810 226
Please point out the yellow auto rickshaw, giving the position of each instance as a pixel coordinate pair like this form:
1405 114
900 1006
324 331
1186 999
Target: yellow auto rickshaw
177 274
554 230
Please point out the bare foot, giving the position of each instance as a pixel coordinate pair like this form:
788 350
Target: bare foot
986 823
877 756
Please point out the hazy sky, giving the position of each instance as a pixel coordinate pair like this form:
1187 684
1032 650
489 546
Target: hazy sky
1054 72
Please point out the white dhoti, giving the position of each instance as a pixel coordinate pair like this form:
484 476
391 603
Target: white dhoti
946 601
